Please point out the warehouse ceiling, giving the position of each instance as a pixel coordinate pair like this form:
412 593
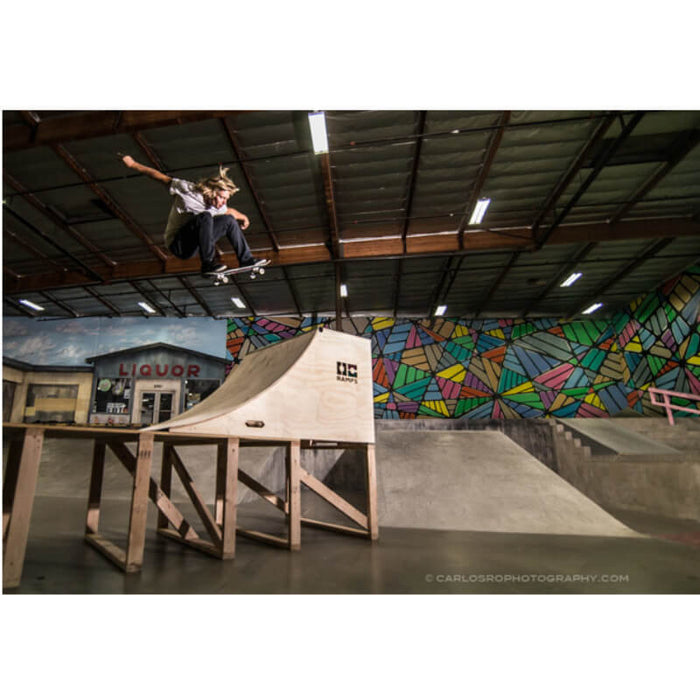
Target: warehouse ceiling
612 195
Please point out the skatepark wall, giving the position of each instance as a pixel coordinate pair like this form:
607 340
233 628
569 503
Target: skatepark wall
497 369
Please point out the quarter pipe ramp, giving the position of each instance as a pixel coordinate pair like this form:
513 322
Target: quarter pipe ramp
316 386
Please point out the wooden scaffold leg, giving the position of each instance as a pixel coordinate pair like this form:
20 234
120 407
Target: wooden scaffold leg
18 499
294 491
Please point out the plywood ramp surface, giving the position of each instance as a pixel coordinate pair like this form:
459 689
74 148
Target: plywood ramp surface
316 386
481 481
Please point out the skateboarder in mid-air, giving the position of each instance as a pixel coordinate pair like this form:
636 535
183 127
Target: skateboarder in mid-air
199 217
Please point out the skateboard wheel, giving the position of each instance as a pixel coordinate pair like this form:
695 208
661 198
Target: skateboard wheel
262 270
252 275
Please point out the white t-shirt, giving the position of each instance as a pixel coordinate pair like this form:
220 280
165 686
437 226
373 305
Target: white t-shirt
186 203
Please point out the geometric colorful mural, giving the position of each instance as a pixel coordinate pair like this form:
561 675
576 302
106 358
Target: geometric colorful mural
659 339
513 368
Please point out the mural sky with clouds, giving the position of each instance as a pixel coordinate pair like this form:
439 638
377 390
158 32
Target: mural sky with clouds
71 342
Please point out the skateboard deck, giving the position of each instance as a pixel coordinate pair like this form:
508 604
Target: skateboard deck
225 276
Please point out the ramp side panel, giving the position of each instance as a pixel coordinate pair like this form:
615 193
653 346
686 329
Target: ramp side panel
324 394
314 400
259 370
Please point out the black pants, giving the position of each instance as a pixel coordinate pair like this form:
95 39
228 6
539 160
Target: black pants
202 232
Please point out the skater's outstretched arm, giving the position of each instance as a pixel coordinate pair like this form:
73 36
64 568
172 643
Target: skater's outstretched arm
151 172
240 217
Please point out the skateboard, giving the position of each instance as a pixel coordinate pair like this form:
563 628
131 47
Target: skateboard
225 276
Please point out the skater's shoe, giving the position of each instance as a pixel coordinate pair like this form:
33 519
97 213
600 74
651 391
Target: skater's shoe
213 268
256 262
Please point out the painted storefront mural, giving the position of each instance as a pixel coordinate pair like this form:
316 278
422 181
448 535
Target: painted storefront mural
68 342
456 368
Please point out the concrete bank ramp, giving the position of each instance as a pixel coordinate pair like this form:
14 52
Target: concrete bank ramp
481 481
611 434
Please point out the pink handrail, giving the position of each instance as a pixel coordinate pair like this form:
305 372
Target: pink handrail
666 395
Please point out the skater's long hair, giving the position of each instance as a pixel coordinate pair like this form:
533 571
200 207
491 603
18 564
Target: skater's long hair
209 185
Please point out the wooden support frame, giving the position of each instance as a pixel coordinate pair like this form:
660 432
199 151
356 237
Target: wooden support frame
221 526
25 444
131 559
18 499
369 527
291 504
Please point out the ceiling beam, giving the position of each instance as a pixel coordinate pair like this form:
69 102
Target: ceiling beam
146 147
325 161
36 253
338 147
61 305
497 283
103 301
180 312
449 276
335 247
91 273
437 292
195 294
600 130
683 146
420 129
111 204
484 169
20 307
92 124
598 167
148 297
338 298
561 274
649 252
56 218
418 246
235 146
247 175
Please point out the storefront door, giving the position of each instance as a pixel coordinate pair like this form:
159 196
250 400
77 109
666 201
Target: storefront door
156 406
156 402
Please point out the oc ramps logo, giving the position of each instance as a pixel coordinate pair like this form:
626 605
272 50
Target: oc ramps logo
346 372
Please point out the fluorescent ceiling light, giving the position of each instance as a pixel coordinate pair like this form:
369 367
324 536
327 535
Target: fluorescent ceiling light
440 311
343 290
592 308
238 302
571 279
148 309
479 211
31 305
319 136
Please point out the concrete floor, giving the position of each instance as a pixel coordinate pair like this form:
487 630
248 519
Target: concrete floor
403 561
487 518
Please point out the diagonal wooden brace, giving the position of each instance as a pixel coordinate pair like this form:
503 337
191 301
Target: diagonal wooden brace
161 501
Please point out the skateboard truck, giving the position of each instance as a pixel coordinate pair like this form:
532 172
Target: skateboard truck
225 276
